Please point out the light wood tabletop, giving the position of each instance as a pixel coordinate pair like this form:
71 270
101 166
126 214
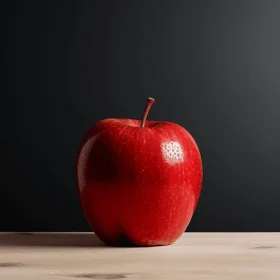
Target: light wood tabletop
195 256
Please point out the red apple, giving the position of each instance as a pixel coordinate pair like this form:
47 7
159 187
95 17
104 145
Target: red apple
138 181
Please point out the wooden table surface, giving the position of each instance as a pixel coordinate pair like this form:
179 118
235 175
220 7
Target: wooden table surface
62 256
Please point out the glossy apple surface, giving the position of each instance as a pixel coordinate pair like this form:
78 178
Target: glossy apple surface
138 185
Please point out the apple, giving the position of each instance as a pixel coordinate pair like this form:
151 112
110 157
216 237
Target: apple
138 181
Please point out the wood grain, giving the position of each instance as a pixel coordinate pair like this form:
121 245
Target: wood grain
195 256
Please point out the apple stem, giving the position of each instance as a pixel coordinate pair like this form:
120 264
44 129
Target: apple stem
149 104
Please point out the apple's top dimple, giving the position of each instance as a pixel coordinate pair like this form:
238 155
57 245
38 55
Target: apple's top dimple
172 152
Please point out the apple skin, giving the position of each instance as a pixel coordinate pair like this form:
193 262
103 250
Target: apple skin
138 185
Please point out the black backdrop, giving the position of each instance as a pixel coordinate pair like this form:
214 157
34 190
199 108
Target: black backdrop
212 66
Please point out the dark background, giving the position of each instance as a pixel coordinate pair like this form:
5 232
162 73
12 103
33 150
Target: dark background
212 66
